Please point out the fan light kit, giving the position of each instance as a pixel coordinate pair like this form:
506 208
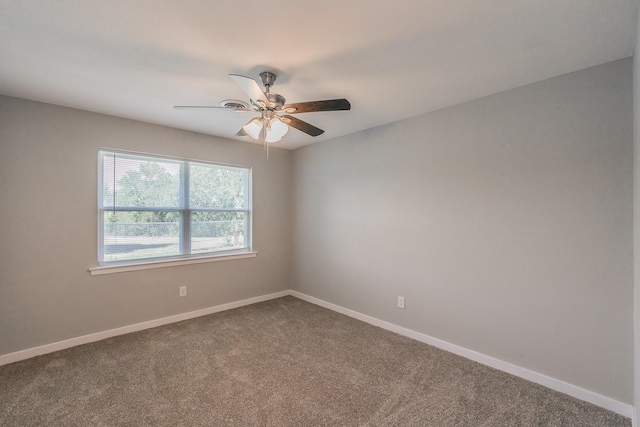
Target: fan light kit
275 119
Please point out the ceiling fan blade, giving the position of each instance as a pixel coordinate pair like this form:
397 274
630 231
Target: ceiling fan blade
251 88
186 107
305 127
207 107
242 132
308 107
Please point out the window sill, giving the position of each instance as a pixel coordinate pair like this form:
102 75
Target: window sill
149 264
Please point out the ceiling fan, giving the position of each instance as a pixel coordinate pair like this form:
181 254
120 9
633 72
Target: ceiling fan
275 115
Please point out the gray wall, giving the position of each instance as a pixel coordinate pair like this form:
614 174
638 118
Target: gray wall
48 162
505 222
636 222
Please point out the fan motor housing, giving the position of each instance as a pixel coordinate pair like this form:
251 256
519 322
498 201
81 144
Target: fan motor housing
276 100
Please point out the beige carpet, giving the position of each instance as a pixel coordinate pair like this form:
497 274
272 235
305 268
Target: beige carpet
283 362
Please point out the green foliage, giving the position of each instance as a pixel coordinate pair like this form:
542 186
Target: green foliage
215 187
131 232
149 186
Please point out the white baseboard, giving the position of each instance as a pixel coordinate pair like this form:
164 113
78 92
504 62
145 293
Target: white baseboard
85 339
552 383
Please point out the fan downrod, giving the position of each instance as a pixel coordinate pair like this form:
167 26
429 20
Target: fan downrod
268 79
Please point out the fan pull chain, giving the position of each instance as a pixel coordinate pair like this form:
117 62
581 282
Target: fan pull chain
265 144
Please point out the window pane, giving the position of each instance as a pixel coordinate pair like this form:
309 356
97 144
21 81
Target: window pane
217 231
217 187
134 235
136 181
143 201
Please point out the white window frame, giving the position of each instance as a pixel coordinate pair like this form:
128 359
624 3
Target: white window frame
185 257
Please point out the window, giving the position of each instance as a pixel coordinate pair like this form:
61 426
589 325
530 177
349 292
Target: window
159 207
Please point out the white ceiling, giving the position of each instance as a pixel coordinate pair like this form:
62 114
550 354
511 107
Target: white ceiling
391 59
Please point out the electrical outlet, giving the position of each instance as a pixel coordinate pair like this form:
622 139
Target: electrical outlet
183 291
400 302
